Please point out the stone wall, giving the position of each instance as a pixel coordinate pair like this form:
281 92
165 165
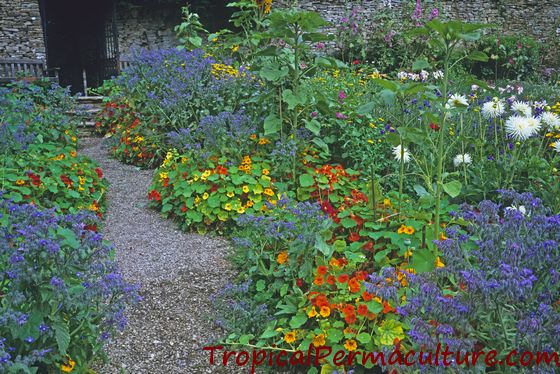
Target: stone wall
538 18
146 27
21 31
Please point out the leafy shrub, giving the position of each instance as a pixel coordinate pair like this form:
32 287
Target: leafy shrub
53 177
62 295
511 56
212 191
190 86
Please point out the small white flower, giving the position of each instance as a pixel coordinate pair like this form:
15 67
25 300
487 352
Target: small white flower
424 75
493 109
474 87
551 120
438 74
521 209
402 75
456 101
521 108
462 159
414 77
522 128
556 146
397 152
519 89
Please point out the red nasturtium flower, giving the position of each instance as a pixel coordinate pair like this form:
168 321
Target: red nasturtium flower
368 246
354 285
367 296
319 280
354 237
67 181
343 278
35 179
350 318
99 172
184 208
154 195
322 270
434 126
331 279
363 309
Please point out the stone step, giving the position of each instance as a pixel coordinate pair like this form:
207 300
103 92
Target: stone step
90 99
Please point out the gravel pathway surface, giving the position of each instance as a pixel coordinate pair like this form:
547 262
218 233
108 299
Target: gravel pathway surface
177 273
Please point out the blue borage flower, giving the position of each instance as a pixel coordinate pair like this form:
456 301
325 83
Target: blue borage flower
38 247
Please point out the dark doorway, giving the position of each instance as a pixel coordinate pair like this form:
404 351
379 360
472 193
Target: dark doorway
81 39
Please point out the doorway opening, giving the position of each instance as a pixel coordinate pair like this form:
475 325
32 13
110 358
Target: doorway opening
81 40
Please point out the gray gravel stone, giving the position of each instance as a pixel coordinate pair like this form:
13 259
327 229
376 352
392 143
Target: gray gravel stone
177 272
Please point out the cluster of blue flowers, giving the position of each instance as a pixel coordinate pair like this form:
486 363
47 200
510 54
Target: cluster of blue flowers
57 277
506 281
226 134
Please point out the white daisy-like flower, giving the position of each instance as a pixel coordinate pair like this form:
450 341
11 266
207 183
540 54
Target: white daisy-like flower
397 152
424 75
474 87
402 75
493 109
551 120
438 74
556 146
521 108
456 101
522 128
462 159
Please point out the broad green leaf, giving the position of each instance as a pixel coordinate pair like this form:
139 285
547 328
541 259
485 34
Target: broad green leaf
421 65
364 337
478 56
298 320
62 337
272 124
422 260
306 180
452 188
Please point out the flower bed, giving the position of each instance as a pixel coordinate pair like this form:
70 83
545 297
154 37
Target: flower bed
61 294
358 234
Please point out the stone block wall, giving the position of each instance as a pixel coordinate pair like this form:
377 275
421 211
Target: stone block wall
21 31
146 27
538 18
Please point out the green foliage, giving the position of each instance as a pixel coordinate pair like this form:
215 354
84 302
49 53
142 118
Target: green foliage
511 57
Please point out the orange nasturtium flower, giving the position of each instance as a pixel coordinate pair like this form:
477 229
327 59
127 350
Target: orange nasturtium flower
290 337
325 311
319 340
69 366
350 345
282 257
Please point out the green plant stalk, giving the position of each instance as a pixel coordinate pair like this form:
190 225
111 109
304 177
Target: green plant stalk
463 149
401 177
440 150
373 195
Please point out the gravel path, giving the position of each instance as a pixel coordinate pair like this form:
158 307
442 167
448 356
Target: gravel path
177 273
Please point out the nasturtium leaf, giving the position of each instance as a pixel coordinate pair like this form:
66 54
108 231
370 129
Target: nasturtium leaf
306 180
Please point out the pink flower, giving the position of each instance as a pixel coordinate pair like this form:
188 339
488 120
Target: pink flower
340 115
313 114
341 95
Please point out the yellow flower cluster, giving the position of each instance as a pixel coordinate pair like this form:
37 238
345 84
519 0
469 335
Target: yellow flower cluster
556 107
246 165
224 71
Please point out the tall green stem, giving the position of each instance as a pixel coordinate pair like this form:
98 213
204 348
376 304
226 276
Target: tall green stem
440 151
